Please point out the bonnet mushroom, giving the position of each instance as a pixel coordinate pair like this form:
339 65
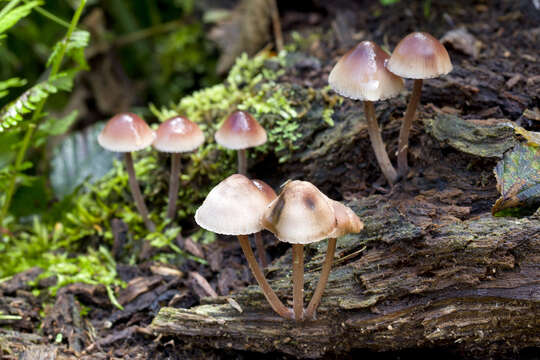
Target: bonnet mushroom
177 135
240 131
127 132
301 215
361 75
234 207
417 56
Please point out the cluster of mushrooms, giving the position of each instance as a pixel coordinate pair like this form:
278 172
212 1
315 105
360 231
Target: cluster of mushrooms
369 74
301 214
127 132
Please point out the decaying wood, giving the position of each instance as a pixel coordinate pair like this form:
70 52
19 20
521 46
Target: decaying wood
404 282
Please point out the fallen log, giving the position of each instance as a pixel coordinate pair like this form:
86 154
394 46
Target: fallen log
471 285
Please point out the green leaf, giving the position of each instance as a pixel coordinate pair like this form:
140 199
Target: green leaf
74 48
54 127
9 83
518 178
13 113
79 158
16 14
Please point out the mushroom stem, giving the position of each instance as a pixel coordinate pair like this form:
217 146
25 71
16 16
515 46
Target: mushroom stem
260 249
378 145
298 281
325 272
242 161
136 192
174 183
270 295
403 143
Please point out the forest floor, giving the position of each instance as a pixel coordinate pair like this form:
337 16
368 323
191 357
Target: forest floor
496 77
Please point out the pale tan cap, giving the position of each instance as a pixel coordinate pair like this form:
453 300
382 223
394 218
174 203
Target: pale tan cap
347 222
233 207
266 189
301 214
178 134
126 132
240 131
419 56
361 74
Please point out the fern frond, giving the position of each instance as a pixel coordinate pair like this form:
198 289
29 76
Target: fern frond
75 46
14 112
9 83
16 14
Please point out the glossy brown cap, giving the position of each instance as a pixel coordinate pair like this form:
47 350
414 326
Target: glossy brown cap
233 207
178 134
268 192
419 56
240 131
126 132
301 214
361 74
347 222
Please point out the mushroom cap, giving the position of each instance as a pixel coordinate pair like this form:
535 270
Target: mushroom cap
178 134
419 56
301 214
361 74
233 207
266 189
347 221
126 132
240 131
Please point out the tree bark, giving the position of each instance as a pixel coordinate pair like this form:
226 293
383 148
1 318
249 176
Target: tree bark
472 286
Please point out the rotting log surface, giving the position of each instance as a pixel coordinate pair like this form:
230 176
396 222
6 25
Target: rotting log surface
472 286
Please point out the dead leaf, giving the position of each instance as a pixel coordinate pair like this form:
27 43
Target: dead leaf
201 286
246 30
462 40
518 177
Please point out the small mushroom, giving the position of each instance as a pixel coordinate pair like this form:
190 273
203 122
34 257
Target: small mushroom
127 132
271 195
301 214
417 56
241 131
234 207
177 135
361 75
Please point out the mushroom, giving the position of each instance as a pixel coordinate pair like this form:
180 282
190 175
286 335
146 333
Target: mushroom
347 222
361 75
127 132
239 132
234 207
177 135
301 214
417 56
271 195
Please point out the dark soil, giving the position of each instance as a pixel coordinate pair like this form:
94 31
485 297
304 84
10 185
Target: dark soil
501 80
